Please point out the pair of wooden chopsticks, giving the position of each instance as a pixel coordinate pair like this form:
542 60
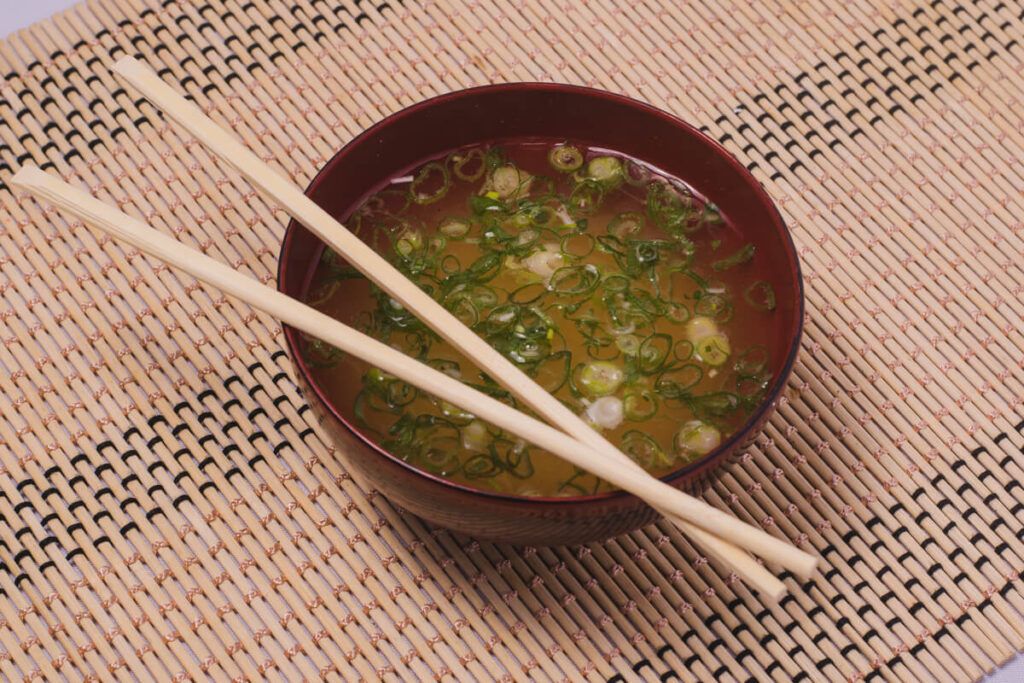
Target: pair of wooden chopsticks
722 536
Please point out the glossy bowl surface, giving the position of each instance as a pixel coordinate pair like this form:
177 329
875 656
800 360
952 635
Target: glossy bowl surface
494 113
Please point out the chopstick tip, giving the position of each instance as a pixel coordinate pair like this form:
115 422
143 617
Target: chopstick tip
26 175
125 64
775 595
805 565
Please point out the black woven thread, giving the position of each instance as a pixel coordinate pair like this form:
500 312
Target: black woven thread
839 125
30 553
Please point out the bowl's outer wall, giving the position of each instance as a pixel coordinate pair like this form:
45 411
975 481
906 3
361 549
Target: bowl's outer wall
435 127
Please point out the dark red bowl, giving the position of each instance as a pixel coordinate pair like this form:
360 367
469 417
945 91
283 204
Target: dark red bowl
437 126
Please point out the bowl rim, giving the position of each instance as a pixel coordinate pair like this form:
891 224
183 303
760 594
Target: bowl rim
754 420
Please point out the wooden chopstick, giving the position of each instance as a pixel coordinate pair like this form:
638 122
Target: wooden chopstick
377 269
109 219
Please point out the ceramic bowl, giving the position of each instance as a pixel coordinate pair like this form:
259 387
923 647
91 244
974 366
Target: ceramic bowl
488 114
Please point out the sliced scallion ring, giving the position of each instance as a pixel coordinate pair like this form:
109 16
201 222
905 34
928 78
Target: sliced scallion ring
713 349
739 257
715 306
653 352
527 294
760 295
575 280
430 184
606 170
668 208
629 344
454 228
626 224
601 378
469 165
565 158
677 383
586 197
440 454
644 450
553 371
577 245
640 404
751 362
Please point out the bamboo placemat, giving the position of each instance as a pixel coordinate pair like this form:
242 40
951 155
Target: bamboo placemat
167 509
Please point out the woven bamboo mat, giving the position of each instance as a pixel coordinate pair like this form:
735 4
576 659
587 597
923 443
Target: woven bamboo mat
167 509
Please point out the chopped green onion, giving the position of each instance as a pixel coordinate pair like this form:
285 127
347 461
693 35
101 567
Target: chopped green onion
760 295
635 174
475 437
430 184
577 245
751 362
409 242
481 205
700 327
565 158
683 350
615 283
450 264
440 455
469 166
575 280
455 228
400 393
465 311
480 466
509 182
541 216
527 294
716 404
653 352
626 224
518 462
493 158
677 312
545 262
571 484
320 354
610 244
644 450
739 257
606 170
646 302
502 316
448 367
713 349
601 378
586 197
553 371
711 214
605 413
668 208
696 438
321 294
639 405
677 382
715 306
629 344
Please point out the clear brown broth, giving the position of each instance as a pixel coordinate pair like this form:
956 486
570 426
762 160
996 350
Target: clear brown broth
747 330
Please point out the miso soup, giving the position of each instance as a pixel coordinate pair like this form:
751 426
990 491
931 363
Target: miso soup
619 289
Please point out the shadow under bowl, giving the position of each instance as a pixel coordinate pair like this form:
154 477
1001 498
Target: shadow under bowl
488 114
